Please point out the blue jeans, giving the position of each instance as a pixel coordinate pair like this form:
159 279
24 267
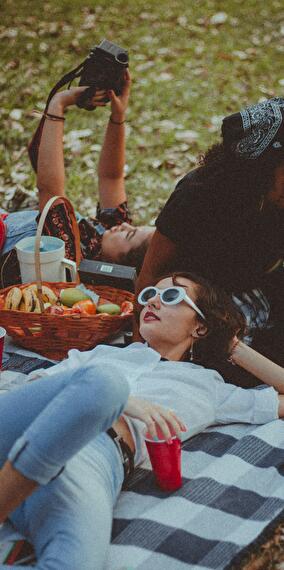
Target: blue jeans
18 226
59 421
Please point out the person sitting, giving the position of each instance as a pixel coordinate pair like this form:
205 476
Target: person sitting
108 237
225 221
62 471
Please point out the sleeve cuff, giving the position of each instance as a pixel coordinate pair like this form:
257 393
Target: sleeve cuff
266 405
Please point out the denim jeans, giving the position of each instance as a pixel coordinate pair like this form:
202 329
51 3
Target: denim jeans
60 421
18 226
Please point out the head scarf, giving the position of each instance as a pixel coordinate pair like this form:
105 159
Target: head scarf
256 129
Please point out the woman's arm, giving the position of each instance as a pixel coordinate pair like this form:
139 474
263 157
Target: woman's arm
112 157
50 166
260 366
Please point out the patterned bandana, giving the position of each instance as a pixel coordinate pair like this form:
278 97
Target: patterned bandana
255 129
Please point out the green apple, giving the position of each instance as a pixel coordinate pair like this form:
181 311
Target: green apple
109 308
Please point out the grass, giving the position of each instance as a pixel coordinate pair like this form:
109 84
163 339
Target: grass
192 62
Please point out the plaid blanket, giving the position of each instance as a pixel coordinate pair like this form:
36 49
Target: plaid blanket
232 492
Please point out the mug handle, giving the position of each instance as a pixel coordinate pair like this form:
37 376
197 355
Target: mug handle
71 265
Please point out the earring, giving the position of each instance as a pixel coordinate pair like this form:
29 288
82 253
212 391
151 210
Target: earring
191 357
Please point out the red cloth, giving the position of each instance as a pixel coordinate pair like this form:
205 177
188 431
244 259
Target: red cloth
2 230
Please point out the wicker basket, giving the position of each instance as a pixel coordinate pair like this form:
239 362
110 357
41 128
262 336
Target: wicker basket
53 335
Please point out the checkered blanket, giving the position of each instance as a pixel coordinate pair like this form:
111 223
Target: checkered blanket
233 488
232 492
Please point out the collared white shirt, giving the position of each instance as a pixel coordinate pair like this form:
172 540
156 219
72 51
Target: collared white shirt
198 395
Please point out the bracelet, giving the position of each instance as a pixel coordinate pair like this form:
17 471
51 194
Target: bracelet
49 115
116 122
231 357
53 117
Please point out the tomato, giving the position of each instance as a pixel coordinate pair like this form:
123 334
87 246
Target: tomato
126 307
72 311
86 306
54 310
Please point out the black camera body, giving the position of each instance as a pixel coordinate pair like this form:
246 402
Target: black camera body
103 69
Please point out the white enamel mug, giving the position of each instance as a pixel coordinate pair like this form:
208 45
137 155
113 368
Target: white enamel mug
53 263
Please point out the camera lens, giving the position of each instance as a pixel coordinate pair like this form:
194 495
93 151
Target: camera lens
122 57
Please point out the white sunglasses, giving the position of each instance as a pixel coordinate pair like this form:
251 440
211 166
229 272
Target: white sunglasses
169 296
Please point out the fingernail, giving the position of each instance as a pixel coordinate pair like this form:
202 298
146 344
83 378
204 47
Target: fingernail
170 441
155 438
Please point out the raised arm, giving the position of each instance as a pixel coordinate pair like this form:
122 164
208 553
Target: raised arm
50 166
258 365
112 157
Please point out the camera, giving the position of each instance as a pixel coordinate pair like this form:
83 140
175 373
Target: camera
103 69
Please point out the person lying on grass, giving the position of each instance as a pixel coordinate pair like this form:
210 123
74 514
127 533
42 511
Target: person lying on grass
62 471
110 236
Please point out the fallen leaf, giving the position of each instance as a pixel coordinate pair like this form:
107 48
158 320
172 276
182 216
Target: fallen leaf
186 136
240 54
219 18
16 114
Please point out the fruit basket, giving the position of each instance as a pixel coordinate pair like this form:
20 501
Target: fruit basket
53 335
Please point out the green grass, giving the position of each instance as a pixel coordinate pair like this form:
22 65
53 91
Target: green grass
188 71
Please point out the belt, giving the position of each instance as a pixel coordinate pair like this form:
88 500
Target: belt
127 456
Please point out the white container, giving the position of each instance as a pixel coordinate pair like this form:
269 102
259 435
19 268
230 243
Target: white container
52 260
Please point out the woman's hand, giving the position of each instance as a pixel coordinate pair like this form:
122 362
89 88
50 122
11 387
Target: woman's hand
119 103
155 416
69 97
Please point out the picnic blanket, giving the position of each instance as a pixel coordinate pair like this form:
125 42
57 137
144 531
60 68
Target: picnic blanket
232 494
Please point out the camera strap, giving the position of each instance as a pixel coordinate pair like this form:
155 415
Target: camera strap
33 146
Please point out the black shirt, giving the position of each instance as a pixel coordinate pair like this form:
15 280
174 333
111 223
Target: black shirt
221 234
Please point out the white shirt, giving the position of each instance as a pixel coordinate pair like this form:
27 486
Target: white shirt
198 395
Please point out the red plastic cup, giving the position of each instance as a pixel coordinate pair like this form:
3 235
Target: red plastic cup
165 460
2 338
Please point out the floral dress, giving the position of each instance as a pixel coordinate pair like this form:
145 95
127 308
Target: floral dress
58 224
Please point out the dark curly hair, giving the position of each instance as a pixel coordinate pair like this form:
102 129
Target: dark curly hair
135 257
246 181
222 319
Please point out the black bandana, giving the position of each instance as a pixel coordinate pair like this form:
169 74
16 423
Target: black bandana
255 129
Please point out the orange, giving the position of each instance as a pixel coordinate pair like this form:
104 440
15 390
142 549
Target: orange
87 306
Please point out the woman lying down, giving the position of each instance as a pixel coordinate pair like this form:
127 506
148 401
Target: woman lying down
62 469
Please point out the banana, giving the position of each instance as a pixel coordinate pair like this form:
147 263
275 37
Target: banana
31 300
13 299
22 305
49 295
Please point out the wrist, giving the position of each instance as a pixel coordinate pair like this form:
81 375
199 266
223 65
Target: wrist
233 352
238 352
56 106
117 117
